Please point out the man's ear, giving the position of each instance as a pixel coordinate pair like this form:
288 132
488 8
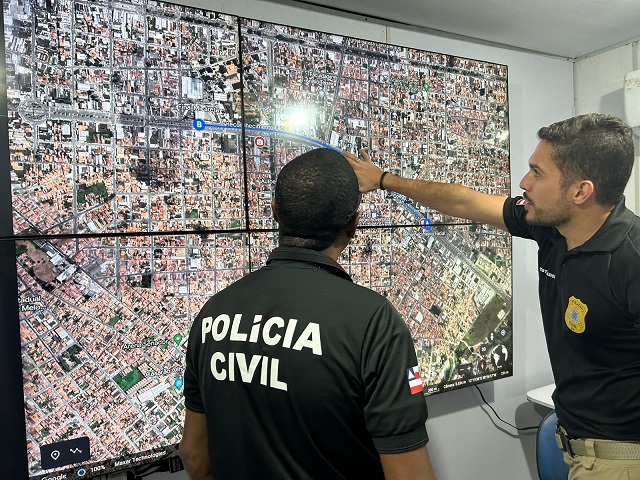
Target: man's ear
273 210
350 229
584 191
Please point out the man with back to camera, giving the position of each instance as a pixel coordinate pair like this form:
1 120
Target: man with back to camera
295 372
589 278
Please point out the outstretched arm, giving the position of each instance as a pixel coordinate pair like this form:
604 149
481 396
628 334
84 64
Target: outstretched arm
448 198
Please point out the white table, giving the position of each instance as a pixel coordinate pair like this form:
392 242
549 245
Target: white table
542 395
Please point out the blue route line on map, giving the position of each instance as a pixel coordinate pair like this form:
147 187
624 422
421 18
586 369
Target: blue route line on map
200 125
424 221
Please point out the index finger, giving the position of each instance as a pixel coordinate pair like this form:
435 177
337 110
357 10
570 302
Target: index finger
365 156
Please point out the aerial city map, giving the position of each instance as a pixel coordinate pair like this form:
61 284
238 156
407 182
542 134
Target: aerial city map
145 138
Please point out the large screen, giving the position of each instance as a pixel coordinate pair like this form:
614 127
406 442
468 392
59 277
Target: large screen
144 140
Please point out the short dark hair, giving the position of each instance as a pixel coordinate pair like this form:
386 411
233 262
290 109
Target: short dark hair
316 195
594 147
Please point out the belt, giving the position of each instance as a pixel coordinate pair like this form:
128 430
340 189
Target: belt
605 449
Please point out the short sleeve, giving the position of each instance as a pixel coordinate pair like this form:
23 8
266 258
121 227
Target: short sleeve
395 413
192 393
513 213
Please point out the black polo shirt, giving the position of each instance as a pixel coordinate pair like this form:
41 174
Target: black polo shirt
302 374
590 302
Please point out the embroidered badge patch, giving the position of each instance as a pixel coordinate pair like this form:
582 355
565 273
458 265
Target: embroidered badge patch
575 315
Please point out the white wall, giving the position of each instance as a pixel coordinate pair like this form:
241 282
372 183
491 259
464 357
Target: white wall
599 87
466 441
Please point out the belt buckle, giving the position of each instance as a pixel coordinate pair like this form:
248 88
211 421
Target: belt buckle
564 440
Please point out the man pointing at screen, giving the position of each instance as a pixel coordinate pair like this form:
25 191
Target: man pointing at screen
589 278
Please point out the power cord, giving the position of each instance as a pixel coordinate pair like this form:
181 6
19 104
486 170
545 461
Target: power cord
520 429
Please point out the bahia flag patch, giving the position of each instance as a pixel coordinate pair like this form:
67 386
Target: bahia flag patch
413 376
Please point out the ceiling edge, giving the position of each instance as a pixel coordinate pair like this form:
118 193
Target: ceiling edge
310 5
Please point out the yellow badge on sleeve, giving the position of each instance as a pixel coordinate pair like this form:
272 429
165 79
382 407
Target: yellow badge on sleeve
575 314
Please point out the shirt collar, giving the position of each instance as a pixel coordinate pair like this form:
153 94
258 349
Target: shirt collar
312 257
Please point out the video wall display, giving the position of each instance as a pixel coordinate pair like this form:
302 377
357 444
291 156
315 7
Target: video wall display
145 139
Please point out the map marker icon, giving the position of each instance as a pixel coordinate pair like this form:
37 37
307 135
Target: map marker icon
55 454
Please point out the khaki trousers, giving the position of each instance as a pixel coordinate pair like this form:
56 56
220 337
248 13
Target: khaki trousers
588 467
